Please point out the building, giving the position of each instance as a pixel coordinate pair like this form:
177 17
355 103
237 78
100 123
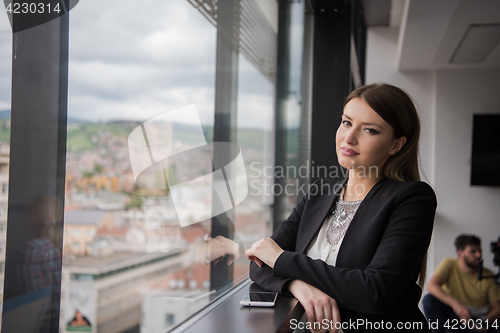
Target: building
108 290
80 229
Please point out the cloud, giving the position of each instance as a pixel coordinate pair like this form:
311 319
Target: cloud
255 97
155 31
142 105
255 111
5 59
134 60
4 21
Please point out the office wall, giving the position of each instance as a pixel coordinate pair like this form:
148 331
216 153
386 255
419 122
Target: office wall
381 54
463 208
446 100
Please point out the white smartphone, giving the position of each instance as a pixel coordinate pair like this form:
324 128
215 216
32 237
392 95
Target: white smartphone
267 299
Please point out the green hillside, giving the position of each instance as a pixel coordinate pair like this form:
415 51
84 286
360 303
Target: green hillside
4 130
84 136
80 137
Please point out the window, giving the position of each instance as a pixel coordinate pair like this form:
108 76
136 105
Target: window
126 72
152 92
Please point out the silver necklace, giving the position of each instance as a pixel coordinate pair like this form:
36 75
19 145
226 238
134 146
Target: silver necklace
339 220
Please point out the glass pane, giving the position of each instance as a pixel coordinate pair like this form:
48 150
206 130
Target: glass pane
5 91
134 230
244 116
253 218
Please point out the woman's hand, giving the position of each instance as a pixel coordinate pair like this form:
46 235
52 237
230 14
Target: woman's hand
266 250
320 308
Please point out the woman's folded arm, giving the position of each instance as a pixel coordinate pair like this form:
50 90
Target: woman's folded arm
395 263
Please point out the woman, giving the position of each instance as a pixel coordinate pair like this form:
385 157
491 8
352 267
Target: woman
353 249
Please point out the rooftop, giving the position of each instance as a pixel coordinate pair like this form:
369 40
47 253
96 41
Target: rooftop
117 261
86 217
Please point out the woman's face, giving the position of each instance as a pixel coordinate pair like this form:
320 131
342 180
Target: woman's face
364 139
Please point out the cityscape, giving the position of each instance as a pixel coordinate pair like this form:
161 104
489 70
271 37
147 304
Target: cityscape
128 266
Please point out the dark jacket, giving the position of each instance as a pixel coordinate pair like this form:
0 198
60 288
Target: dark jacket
380 257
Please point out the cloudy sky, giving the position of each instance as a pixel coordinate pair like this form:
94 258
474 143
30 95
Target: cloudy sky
5 59
136 60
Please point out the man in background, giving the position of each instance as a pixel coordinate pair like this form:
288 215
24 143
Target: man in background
457 298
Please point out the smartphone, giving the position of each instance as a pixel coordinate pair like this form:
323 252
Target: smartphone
266 299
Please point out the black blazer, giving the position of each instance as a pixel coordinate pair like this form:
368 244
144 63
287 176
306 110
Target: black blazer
379 259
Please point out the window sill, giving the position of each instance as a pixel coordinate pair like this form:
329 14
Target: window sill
227 315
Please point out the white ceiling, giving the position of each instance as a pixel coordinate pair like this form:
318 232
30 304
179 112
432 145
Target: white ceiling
433 31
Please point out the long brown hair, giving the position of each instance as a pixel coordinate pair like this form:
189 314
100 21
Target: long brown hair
396 107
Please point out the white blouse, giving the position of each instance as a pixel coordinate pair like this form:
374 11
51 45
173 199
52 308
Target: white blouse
320 247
